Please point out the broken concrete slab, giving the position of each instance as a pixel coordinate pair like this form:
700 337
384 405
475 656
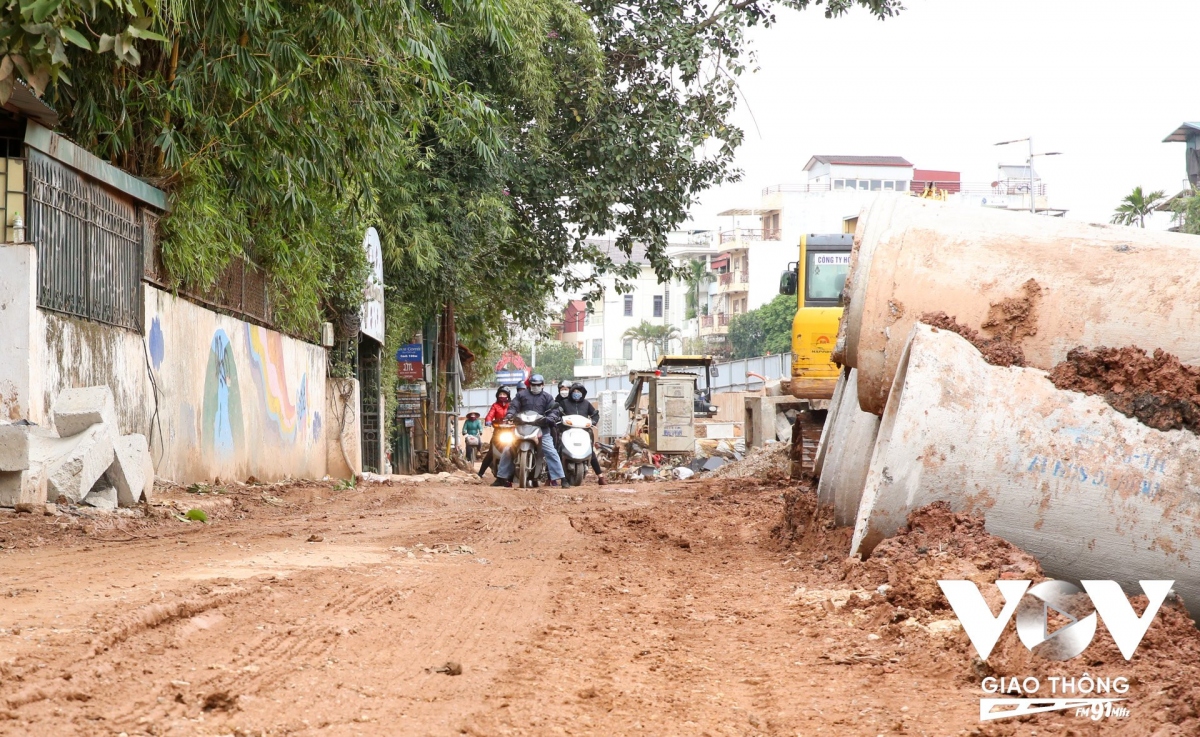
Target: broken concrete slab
74 464
75 410
712 464
22 487
103 496
14 447
128 470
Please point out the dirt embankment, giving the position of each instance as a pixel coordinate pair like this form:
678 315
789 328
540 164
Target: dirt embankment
1154 388
997 351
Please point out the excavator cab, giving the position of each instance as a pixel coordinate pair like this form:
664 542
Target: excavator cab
817 280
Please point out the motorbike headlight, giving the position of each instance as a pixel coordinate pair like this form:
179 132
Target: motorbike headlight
505 437
712 408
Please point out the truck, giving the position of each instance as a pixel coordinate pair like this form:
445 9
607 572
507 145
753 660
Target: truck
817 279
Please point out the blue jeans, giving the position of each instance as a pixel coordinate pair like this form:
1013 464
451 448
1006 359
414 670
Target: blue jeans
549 453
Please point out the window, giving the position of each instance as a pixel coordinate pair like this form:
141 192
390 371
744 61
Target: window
888 185
667 299
876 185
627 349
597 351
658 305
825 275
901 186
839 183
628 305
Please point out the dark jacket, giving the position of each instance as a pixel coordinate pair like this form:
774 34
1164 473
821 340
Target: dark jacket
582 407
543 404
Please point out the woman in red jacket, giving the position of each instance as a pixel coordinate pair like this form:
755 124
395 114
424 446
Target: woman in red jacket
496 413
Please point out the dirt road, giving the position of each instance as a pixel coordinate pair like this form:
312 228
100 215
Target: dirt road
658 609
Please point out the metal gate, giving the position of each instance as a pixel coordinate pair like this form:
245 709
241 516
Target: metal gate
370 388
89 245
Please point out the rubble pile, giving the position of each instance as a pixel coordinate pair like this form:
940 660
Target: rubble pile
638 463
770 462
85 460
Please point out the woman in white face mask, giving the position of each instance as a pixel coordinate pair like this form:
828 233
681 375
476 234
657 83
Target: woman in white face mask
564 388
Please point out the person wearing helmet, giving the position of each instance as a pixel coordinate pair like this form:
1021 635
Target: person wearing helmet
495 414
564 390
535 399
575 403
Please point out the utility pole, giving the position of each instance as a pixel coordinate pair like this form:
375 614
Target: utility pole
1032 194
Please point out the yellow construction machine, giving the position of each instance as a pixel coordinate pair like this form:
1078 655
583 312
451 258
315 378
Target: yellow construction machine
816 279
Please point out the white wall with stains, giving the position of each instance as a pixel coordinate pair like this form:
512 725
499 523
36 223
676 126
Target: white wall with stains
217 397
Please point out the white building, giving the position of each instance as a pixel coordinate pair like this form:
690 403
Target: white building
599 333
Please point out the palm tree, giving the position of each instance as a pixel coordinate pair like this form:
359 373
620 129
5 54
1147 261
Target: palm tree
697 276
1136 206
653 336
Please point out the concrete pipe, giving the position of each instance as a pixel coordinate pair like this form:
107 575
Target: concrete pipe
1045 283
1091 493
851 439
830 418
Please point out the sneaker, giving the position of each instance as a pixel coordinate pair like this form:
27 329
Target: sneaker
601 480
566 484
502 482
557 484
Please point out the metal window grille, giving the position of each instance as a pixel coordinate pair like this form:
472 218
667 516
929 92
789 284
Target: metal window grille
370 380
89 246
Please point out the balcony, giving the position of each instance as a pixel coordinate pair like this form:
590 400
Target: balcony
714 324
733 281
743 235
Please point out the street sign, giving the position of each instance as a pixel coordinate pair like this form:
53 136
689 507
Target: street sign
408 362
510 377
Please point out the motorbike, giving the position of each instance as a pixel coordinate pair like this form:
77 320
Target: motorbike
503 434
575 447
472 446
529 463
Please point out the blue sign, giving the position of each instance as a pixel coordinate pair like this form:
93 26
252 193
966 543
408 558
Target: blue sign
515 376
410 353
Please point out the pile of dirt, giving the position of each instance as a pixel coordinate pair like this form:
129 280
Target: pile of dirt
769 462
939 544
997 350
1155 389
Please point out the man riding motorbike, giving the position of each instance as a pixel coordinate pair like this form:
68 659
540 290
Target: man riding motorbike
495 413
535 399
575 403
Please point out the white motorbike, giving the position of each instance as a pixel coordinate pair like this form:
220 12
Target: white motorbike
528 449
575 447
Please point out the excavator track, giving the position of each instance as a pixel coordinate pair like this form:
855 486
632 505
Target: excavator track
806 433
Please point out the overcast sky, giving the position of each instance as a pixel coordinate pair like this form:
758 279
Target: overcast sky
1103 81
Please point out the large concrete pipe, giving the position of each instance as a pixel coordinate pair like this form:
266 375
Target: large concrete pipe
1091 493
1046 283
830 418
851 439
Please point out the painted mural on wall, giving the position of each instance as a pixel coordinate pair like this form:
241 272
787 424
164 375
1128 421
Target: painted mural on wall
288 419
222 429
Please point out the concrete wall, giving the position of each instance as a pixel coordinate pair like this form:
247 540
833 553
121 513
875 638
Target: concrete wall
235 400
217 397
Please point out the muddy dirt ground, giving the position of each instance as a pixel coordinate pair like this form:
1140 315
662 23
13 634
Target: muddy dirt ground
703 607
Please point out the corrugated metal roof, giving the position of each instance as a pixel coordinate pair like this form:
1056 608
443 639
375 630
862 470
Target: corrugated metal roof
1183 132
857 160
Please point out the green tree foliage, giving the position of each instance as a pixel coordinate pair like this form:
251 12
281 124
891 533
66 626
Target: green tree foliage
1187 213
767 329
654 339
1136 206
697 278
555 361
486 140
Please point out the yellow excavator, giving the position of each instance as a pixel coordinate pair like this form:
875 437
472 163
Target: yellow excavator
816 279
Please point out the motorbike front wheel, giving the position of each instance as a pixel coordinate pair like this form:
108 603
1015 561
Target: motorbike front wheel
524 468
576 471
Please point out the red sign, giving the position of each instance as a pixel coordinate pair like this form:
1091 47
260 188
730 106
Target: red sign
410 370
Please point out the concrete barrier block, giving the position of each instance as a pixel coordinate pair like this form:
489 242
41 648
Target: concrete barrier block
102 496
127 473
74 467
75 410
14 447
22 487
